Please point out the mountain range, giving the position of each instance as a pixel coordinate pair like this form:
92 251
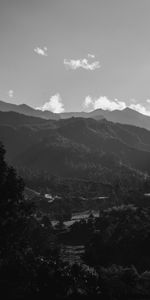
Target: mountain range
75 147
125 116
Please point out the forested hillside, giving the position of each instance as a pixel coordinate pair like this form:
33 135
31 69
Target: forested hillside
76 147
31 261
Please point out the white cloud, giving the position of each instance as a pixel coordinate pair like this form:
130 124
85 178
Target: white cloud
148 100
107 104
54 104
140 108
104 103
11 93
88 101
91 55
41 51
84 63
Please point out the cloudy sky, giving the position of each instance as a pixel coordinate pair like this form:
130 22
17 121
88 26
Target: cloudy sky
72 55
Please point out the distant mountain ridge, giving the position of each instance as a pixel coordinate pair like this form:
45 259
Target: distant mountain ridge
75 147
27 110
125 116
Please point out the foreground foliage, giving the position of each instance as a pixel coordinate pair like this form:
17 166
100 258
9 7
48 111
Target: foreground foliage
30 263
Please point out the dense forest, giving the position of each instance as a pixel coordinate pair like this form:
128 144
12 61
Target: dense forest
115 264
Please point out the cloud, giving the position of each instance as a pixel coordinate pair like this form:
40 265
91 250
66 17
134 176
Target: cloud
140 108
82 63
41 51
11 93
54 104
88 101
91 55
106 104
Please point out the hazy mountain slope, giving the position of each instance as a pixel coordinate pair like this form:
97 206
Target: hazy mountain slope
17 119
126 116
73 147
27 110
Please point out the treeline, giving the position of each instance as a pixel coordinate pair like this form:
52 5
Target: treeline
119 184
79 194
95 178
121 236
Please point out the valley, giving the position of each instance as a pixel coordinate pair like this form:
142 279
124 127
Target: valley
85 201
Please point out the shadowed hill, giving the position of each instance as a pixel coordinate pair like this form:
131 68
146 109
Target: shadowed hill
27 110
125 116
75 147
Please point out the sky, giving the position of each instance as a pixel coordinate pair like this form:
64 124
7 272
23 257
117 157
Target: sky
75 55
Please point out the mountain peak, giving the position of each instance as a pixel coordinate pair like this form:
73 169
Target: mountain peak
128 109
